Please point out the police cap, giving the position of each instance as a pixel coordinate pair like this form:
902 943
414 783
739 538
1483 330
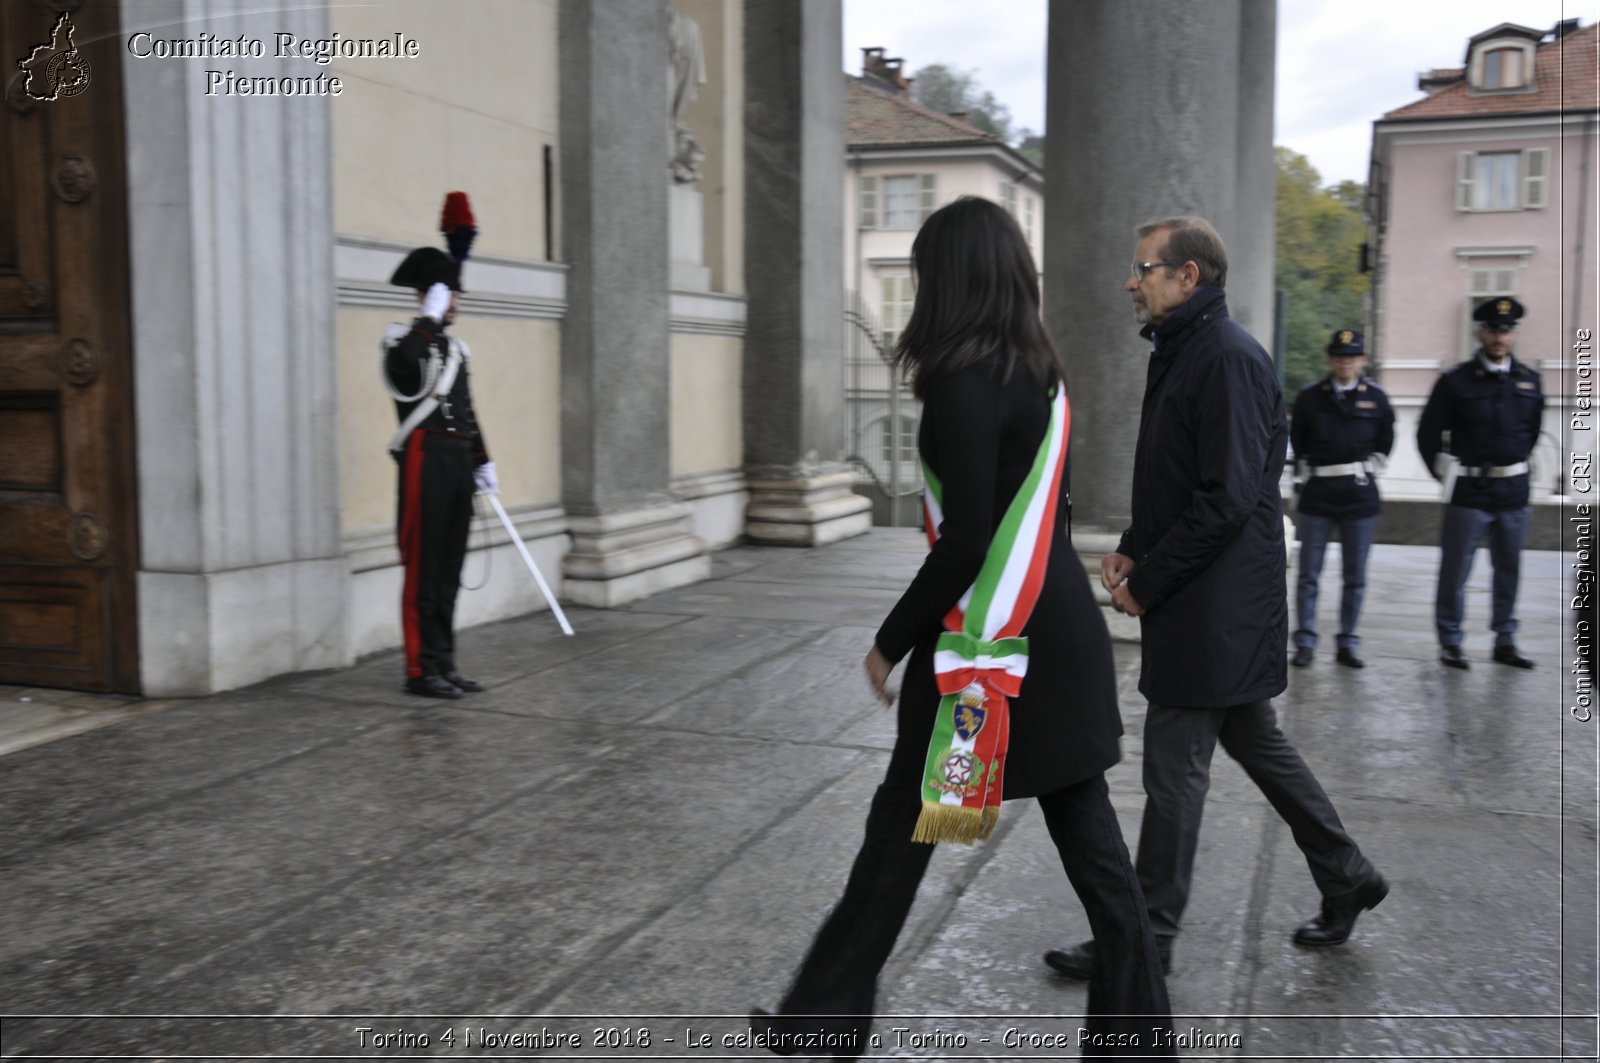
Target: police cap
1500 313
1346 343
425 267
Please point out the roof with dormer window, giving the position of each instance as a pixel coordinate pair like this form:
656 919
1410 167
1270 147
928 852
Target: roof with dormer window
1564 79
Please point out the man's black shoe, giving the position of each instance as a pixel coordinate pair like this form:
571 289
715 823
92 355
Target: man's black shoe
1452 657
1348 658
1077 961
461 682
1302 656
432 686
1509 655
1333 924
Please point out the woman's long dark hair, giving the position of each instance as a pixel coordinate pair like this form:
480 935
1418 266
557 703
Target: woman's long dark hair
977 298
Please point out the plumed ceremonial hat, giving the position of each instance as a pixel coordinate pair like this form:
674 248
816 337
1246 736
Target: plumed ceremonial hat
1501 312
1347 342
425 267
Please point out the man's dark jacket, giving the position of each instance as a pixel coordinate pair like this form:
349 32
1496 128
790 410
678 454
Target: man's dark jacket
1207 532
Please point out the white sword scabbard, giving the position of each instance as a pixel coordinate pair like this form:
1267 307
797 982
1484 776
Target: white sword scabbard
522 548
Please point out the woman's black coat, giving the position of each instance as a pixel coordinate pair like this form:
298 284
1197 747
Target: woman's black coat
980 435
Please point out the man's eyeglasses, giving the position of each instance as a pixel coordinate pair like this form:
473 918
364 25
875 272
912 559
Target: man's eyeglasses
1138 268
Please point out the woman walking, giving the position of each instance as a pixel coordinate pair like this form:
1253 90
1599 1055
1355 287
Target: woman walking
1009 691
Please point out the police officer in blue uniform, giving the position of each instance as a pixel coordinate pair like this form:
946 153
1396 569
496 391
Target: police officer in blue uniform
1342 433
1477 431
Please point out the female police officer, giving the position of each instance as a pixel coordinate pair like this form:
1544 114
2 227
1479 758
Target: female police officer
1342 432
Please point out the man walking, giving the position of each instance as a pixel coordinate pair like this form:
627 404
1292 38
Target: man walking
442 459
1491 406
1202 566
1342 431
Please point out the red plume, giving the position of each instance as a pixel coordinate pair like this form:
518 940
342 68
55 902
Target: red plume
457 224
457 211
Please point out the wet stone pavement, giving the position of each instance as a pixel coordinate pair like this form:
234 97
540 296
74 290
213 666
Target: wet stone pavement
627 841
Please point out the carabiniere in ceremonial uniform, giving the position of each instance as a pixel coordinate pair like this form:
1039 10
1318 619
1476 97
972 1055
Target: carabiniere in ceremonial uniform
1477 432
443 459
1342 432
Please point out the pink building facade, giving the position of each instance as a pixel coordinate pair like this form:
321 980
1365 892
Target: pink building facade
1486 188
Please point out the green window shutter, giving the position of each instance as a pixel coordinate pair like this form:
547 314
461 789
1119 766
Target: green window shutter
929 191
869 201
1536 178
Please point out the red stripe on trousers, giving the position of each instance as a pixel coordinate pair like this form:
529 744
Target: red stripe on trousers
411 553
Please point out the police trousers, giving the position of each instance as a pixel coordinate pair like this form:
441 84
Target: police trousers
1461 530
1355 541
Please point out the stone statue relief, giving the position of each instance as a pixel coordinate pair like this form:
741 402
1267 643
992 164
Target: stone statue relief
686 72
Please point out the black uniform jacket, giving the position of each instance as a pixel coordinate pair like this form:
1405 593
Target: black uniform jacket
1493 419
1330 427
980 435
405 362
1207 532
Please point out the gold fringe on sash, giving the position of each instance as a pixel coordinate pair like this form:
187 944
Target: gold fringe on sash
952 823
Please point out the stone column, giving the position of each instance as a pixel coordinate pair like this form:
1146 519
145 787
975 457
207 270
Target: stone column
794 252
1251 244
630 537
231 257
1147 118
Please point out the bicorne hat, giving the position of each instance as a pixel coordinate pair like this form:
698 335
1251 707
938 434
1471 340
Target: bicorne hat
425 267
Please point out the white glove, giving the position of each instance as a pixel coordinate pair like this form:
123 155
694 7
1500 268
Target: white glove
437 302
1379 462
485 480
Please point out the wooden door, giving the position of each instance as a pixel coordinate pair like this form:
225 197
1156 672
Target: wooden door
68 549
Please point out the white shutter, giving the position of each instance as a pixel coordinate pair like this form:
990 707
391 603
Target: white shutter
1479 282
869 201
927 204
1465 165
1505 281
1535 177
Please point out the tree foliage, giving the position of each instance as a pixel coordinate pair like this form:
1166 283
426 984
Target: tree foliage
1318 252
951 90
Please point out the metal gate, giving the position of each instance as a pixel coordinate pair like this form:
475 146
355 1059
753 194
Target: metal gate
882 419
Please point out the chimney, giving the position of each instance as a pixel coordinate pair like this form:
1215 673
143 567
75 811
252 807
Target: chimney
1564 27
886 72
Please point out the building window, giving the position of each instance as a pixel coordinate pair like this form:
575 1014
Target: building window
1502 69
907 200
898 296
900 445
1482 286
1503 180
1502 65
1008 197
900 202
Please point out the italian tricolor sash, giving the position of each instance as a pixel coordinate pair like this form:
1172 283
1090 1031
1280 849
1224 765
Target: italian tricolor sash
982 655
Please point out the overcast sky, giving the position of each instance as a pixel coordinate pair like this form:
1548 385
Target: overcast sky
1341 63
